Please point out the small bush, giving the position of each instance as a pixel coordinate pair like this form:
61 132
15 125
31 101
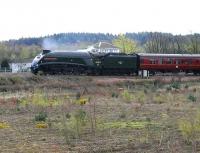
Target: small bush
35 79
126 96
115 95
189 130
4 125
42 99
67 115
122 115
42 116
158 99
16 80
168 88
192 98
145 91
73 126
140 95
175 85
186 86
4 81
5 64
78 95
68 131
82 101
2 111
41 125
157 83
80 116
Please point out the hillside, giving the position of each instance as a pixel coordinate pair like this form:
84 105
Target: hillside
28 48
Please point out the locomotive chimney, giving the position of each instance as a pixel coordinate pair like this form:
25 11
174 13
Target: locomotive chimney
45 51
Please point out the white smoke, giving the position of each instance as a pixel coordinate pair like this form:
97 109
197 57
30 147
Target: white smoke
50 44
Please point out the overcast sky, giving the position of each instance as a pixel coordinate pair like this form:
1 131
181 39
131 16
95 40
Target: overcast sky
33 18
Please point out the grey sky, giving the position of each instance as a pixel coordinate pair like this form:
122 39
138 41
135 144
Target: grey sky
33 18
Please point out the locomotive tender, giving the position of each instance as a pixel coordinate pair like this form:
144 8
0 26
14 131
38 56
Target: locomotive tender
88 63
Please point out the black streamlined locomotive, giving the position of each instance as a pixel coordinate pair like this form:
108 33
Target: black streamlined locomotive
79 62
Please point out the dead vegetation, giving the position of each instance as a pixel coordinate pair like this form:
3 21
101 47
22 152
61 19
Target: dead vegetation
99 114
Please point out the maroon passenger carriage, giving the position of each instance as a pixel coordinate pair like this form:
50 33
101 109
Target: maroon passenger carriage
170 63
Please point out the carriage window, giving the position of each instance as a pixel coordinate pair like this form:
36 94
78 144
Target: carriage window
173 61
152 61
186 61
178 61
169 61
160 61
189 61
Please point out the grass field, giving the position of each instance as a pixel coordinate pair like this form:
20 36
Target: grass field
99 114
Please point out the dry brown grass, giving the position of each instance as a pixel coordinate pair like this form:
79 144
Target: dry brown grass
91 114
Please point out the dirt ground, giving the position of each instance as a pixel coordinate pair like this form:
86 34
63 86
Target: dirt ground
124 114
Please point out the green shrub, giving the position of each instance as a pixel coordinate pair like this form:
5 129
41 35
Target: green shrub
4 125
73 126
68 132
189 129
175 85
41 98
159 99
145 91
35 79
42 116
168 88
80 116
5 63
115 95
78 95
122 114
67 115
127 97
4 81
186 86
140 95
16 80
157 83
192 98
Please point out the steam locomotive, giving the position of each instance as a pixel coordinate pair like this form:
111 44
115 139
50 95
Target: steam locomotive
88 63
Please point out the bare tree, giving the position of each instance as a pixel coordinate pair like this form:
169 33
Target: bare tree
194 43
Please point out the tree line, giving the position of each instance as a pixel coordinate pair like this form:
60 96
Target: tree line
150 42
